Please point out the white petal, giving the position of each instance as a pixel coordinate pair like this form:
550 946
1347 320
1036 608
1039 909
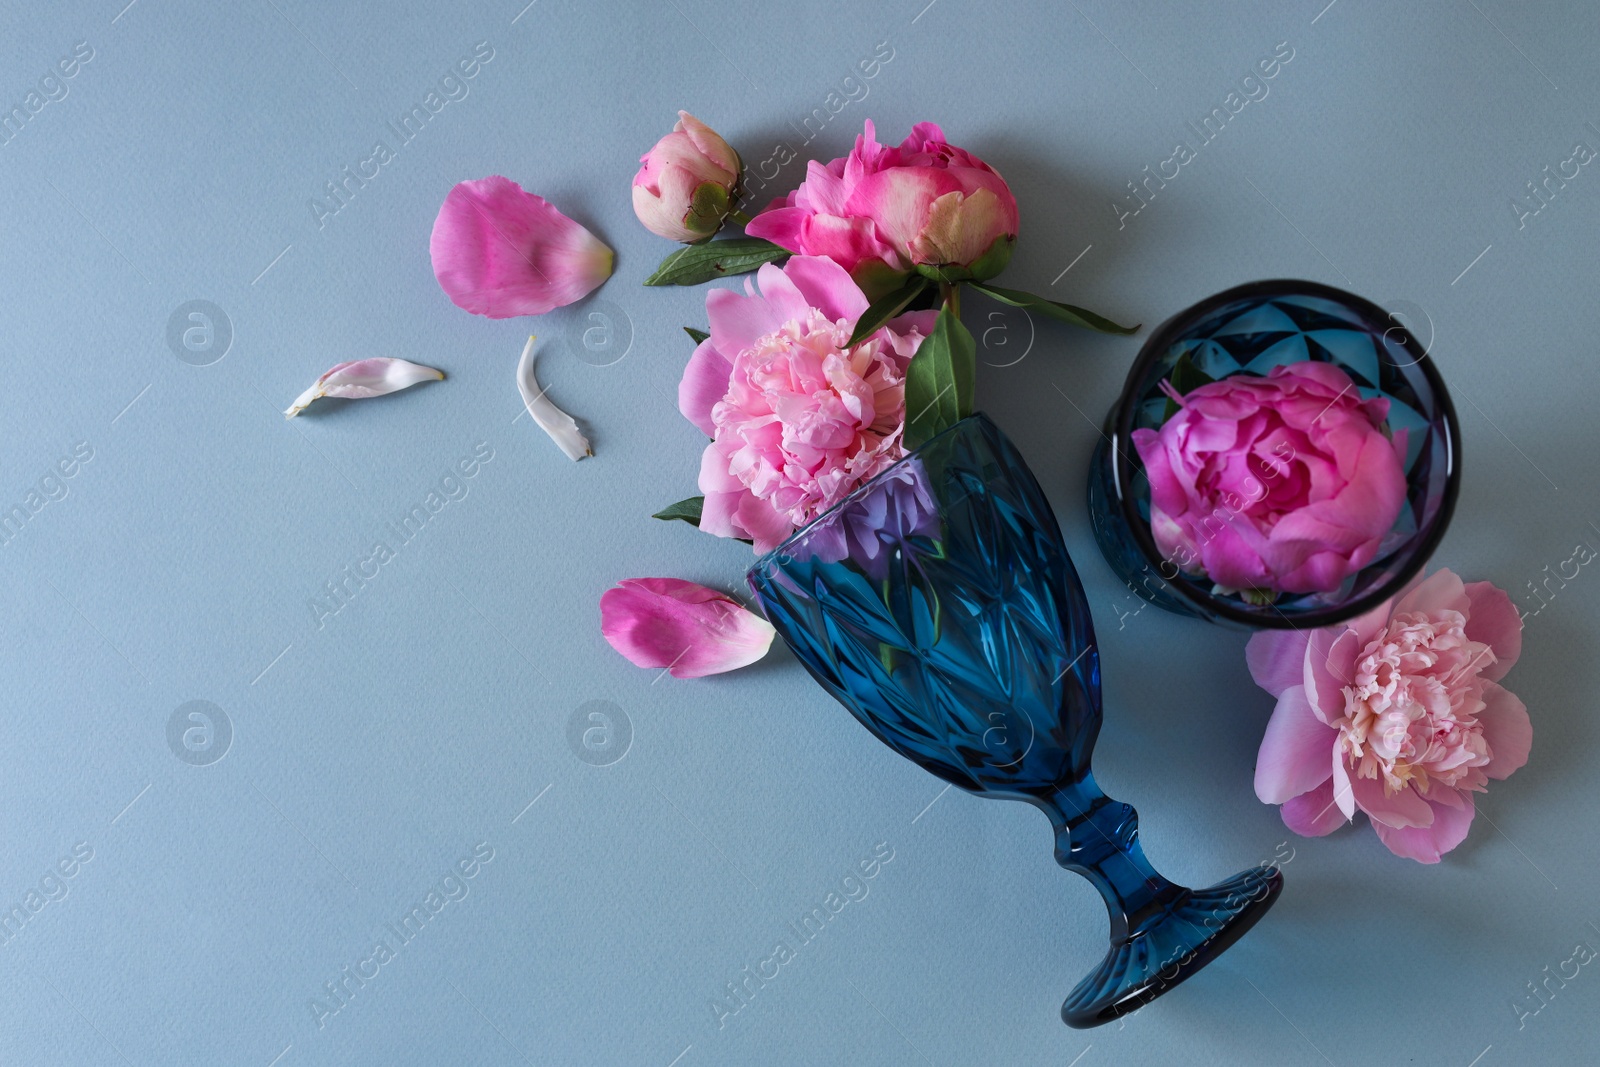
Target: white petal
551 419
364 378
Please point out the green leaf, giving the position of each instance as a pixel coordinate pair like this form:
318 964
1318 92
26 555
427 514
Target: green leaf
684 510
1185 377
1054 309
940 380
885 308
696 335
694 264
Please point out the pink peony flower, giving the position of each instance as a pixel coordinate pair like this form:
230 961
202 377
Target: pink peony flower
797 420
688 629
685 188
499 251
881 212
1281 484
1398 713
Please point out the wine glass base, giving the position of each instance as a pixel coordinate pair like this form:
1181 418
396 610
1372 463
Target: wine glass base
1171 946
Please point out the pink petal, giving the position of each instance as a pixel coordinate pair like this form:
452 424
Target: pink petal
1343 794
1333 380
1506 728
1426 844
738 320
718 511
1330 666
1166 488
823 191
849 242
961 227
714 474
688 629
783 297
1294 751
1440 591
709 143
780 225
1230 560
765 525
1495 621
665 208
658 216
919 322
826 285
920 134
1313 814
1277 658
499 251
705 381
899 200
1399 809
1369 626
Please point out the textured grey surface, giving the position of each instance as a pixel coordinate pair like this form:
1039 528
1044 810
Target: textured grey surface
370 754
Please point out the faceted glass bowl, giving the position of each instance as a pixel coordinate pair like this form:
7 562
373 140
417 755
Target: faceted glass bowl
1250 330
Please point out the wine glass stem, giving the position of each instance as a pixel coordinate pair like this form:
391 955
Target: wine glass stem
1099 838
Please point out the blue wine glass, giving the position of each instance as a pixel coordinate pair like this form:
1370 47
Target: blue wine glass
938 604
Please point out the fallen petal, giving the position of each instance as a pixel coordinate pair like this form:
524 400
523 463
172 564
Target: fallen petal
500 251
686 628
363 378
551 419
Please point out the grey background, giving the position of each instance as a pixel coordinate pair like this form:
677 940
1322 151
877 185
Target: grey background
368 756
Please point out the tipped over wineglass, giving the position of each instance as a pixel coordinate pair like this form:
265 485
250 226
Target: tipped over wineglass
938 604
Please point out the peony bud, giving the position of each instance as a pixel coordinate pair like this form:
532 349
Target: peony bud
688 184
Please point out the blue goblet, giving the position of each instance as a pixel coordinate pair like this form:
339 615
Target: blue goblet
937 603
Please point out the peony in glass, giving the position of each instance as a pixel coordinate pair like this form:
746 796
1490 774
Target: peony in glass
938 604
1284 455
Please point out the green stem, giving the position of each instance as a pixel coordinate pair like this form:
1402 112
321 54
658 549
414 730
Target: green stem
739 216
950 296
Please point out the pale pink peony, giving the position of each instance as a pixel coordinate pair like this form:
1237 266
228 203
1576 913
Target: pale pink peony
689 630
1398 713
797 419
500 251
882 211
1278 484
687 183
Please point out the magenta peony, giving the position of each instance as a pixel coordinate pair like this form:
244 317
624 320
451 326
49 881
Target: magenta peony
689 630
1276 484
882 211
500 251
687 183
797 420
1398 713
